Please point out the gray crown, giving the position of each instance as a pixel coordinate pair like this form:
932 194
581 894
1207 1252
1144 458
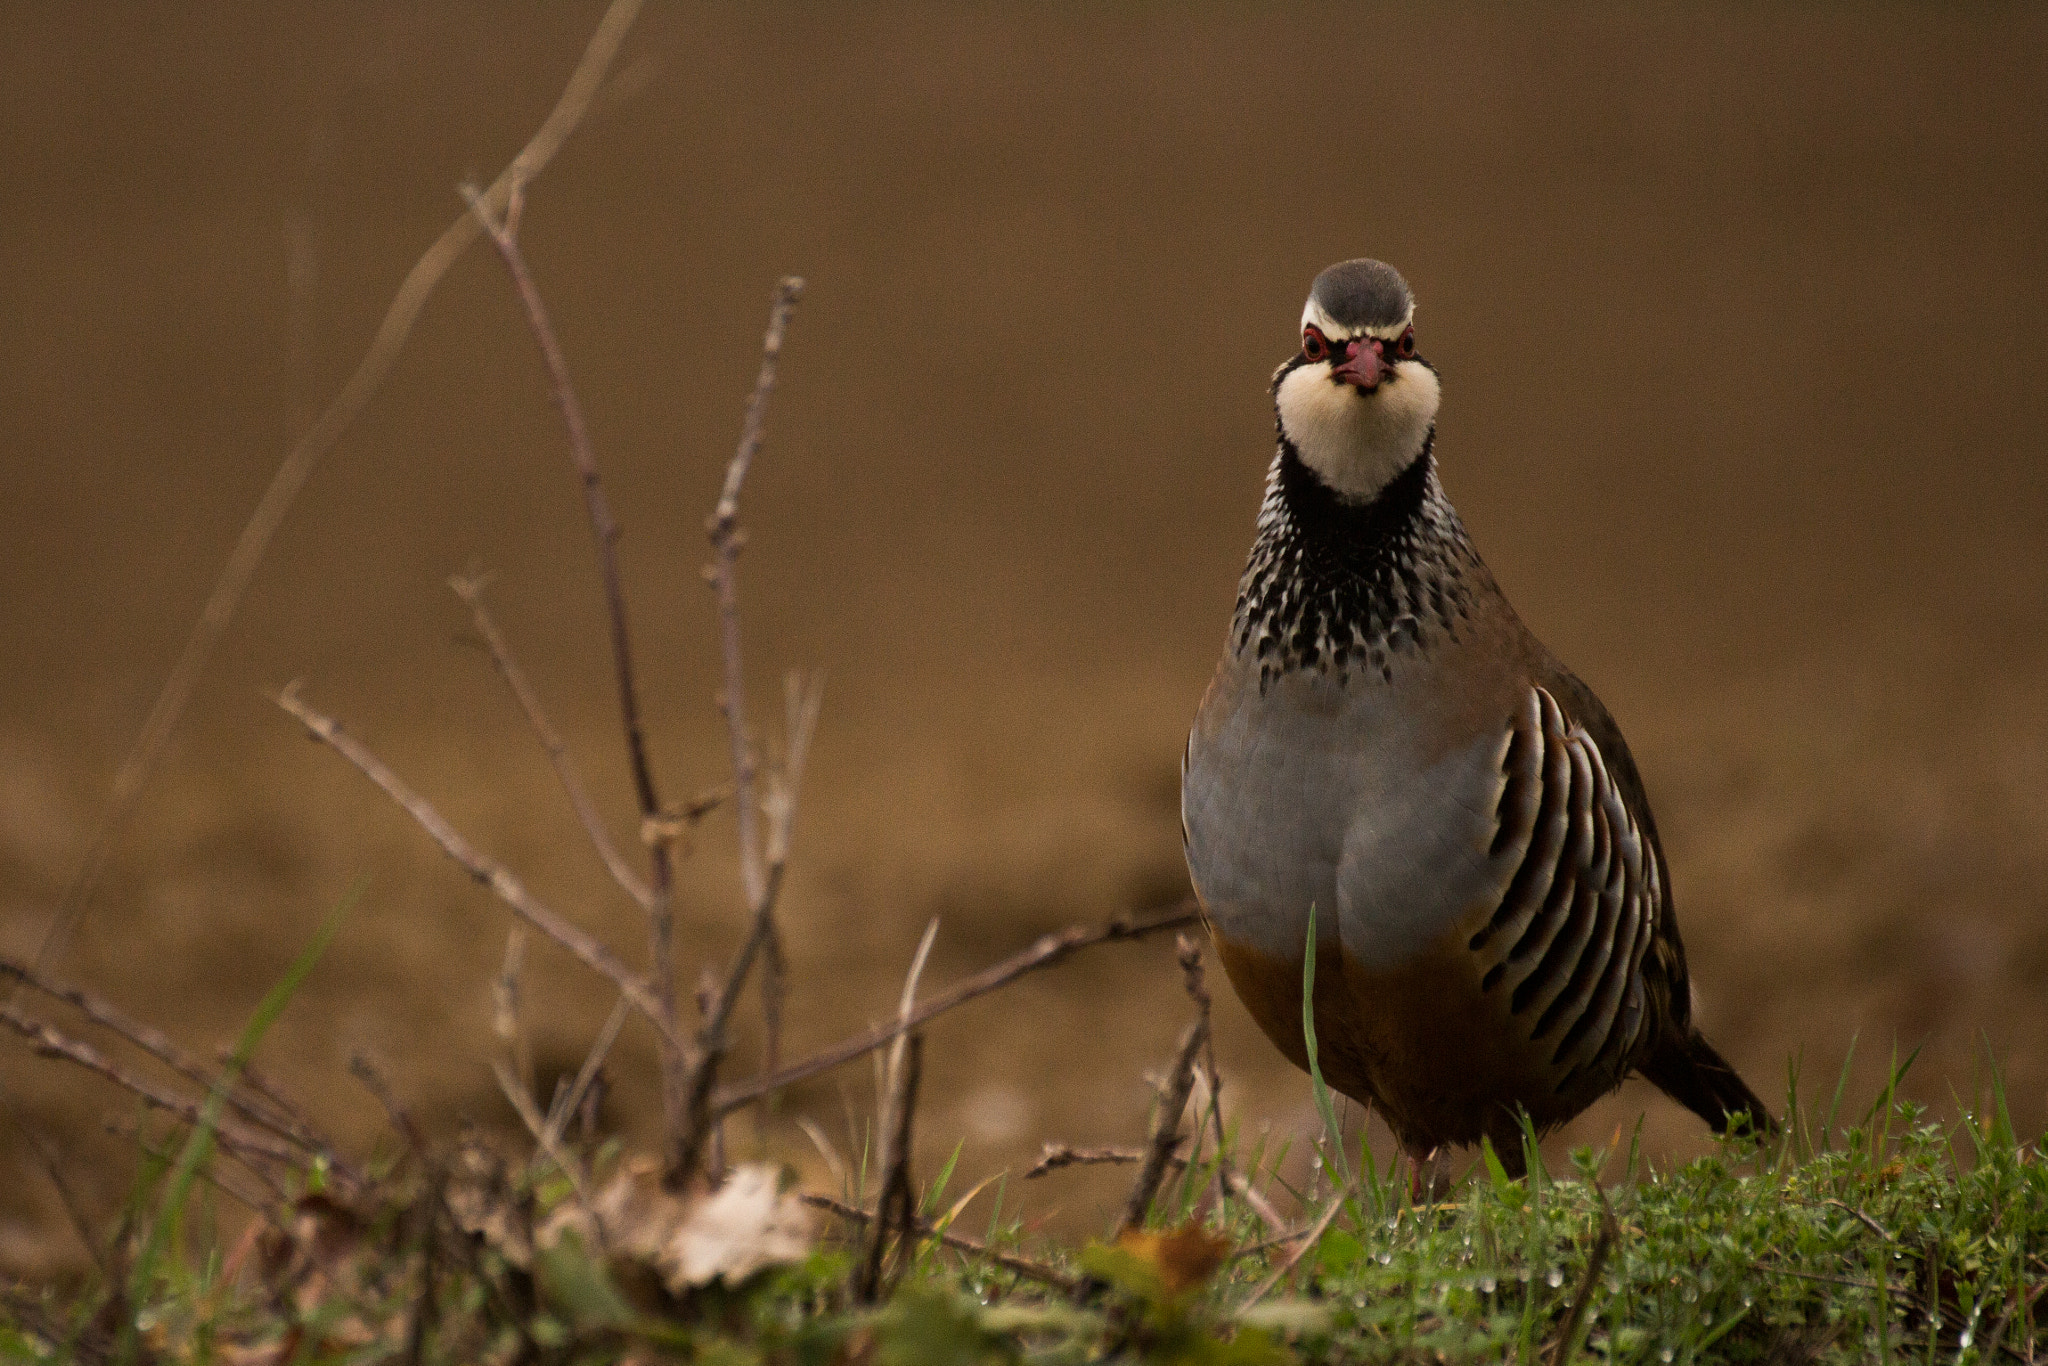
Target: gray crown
1362 293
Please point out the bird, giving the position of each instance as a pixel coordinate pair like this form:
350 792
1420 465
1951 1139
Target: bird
1387 752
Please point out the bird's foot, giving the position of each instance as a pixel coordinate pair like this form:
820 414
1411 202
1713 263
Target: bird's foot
1429 1175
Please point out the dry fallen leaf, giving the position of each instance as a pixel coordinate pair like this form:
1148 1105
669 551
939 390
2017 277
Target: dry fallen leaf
1184 1257
690 1240
748 1223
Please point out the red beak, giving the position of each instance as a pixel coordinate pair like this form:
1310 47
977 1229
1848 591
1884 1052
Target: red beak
1365 365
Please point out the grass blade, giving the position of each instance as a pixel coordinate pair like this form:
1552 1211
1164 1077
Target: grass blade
199 1144
1308 1038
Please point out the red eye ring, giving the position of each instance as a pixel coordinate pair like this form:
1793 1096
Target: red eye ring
1407 343
1314 344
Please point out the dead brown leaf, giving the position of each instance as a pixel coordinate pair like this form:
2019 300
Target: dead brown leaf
1184 1257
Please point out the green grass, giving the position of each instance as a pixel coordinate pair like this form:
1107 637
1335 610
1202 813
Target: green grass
1892 1238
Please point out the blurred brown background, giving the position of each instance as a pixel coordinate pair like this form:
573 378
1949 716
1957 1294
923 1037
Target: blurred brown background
1739 319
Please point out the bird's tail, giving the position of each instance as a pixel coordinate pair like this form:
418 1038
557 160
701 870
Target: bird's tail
1689 1070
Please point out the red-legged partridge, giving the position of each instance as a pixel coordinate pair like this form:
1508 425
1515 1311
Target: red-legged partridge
1386 742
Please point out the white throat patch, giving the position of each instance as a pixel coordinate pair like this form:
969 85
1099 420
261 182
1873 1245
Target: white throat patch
1358 442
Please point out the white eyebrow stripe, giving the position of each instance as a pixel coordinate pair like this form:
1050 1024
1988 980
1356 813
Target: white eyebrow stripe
1312 314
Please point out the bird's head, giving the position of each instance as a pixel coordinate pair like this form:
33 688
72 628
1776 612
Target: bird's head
1356 401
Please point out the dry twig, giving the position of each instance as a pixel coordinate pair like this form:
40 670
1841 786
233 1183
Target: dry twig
437 1191
504 234
1055 1156
760 880
568 1103
368 1073
1229 1181
1173 1100
896 1206
278 1117
1009 1261
1044 953
723 575
299 463
470 588
53 1167
1308 1239
270 1202
488 871
506 1020
243 1144
266 1086
522 1103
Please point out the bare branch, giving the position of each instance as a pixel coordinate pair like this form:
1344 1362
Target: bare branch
896 1208
536 1124
53 1167
244 1144
507 1020
687 1139
1229 1181
485 870
266 1086
1239 1185
270 1201
803 701
367 1072
726 539
278 1119
566 1105
686 1145
470 588
759 884
1023 1266
1058 1156
604 529
1173 1100
1048 950
1307 1240
907 1006
298 465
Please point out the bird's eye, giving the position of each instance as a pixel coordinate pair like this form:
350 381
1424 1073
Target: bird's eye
1406 346
1314 345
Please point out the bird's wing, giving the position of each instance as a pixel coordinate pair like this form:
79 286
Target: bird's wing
1584 893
